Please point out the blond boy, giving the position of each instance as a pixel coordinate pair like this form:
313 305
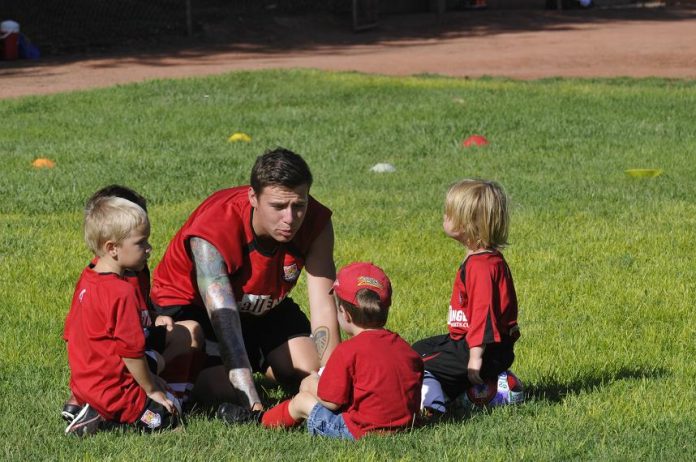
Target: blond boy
104 328
482 318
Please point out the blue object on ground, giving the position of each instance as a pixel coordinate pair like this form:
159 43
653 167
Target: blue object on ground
27 50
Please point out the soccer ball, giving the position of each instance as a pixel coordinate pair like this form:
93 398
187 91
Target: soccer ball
507 389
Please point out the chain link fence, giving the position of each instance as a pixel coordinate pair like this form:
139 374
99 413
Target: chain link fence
82 26
76 26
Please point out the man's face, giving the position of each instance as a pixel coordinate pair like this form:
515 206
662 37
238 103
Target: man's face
279 211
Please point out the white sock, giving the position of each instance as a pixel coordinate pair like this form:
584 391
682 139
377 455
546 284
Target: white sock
432 395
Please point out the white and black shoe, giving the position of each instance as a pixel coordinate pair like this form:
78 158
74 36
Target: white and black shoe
85 423
70 411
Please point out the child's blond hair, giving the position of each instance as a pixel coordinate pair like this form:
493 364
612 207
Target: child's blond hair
479 210
111 219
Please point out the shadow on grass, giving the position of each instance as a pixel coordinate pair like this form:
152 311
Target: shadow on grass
271 394
550 391
555 392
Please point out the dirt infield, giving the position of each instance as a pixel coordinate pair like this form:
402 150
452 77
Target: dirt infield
639 42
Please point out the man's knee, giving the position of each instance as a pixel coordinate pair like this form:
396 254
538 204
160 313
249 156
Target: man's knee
287 373
303 365
196 332
294 360
189 333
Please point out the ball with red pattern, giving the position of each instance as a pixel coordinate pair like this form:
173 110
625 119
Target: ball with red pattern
506 389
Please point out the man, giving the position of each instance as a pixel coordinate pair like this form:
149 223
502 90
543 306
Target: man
231 267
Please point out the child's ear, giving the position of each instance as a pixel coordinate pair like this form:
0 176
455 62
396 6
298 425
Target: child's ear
111 249
346 315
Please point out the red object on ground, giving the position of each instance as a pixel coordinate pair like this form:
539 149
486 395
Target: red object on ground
10 47
475 140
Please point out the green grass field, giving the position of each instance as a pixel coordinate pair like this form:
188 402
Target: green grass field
603 263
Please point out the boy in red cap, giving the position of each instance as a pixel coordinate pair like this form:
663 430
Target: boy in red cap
370 383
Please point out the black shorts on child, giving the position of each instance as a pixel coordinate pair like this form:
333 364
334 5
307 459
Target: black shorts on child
155 338
448 360
156 417
153 418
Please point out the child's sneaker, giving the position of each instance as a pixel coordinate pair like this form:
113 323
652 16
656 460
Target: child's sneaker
85 423
70 411
429 416
235 414
71 408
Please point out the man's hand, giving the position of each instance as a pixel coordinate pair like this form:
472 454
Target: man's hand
166 321
257 407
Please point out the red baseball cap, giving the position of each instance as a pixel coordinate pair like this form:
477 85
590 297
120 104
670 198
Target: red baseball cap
362 275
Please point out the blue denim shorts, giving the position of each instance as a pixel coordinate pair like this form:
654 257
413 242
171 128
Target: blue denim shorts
323 422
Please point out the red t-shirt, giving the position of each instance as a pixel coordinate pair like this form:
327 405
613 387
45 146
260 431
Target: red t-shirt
260 281
483 307
103 326
376 378
140 280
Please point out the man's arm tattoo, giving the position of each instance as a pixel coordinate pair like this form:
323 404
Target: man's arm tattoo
208 261
216 291
321 337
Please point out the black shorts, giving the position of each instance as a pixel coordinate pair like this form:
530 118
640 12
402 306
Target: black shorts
153 418
155 338
156 417
151 362
262 334
448 361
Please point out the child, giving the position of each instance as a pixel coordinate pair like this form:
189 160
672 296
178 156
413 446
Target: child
176 346
371 382
104 328
483 308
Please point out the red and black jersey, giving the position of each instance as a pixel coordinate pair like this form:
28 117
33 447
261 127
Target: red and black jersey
483 307
260 280
103 326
